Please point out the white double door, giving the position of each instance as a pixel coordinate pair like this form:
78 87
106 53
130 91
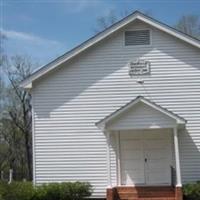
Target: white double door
145 157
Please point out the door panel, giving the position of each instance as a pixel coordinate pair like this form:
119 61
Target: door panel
132 163
132 177
130 144
131 154
157 155
145 158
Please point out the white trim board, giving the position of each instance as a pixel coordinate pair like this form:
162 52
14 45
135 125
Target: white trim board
27 83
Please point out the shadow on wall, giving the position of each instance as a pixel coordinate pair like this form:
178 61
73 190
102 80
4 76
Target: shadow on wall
84 75
71 87
190 158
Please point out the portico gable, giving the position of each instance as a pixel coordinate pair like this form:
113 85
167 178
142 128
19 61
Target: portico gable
141 113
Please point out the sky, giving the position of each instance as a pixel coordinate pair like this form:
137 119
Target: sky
45 29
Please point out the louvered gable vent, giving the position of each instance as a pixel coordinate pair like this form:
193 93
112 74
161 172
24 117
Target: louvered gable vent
138 37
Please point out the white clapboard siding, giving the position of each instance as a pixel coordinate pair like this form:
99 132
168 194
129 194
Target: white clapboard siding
69 101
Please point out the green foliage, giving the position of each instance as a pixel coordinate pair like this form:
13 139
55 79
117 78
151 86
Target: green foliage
47 192
18 191
63 191
52 191
3 189
192 191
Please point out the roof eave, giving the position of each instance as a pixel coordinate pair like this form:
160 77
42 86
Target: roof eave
170 31
102 123
43 70
27 83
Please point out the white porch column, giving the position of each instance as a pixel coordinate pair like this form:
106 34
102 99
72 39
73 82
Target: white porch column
177 158
118 171
108 159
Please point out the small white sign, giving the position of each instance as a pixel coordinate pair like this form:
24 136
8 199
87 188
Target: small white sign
139 67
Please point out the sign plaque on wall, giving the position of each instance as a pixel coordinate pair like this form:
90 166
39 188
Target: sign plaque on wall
139 67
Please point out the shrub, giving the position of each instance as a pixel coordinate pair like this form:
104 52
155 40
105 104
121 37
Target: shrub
52 191
19 191
63 191
47 192
75 191
3 189
192 191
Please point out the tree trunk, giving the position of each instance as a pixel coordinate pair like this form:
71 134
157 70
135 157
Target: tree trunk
28 155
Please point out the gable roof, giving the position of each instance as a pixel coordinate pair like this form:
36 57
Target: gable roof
27 83
102 123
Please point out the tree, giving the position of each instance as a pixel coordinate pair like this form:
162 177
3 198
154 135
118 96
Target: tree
105 21
2 62
4 149
112 17
2 55
15 115
189 24
16 118
12 149
19 109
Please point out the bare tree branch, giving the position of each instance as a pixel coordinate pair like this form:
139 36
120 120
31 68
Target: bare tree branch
189 24
19 114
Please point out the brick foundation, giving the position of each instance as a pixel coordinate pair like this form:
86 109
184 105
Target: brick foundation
144 193
178 193
110 194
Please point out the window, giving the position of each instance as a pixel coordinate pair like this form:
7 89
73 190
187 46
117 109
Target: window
138 37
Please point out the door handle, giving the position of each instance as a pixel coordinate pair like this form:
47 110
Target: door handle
145 160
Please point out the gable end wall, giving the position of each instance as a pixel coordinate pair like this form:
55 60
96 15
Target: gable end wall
67 104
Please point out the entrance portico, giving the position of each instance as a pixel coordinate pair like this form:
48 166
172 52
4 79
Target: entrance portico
146 139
